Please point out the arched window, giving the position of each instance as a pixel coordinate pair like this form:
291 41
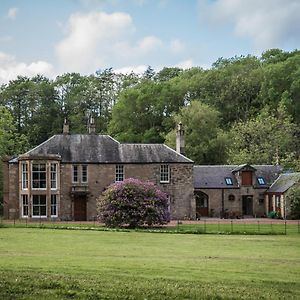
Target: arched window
231 197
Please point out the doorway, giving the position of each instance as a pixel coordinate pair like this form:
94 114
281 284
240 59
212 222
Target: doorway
201 204
247 205
80 208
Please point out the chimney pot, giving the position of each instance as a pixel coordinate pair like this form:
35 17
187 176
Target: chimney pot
91 126
66 129
180 140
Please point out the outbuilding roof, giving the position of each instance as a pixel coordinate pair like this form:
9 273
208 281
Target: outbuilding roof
93 148
214 176
284 182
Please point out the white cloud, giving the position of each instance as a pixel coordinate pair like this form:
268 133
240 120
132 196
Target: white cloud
136 69
149 43
89 38
186 64
269 23
10 68
100 40
12 13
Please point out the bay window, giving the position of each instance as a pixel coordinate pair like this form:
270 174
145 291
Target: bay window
25 205
54 205
24 176
53 175
39 176
39 206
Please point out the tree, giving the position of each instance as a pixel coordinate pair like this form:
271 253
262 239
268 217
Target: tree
11 143
269 138
143 113
134 203
205 141
293 197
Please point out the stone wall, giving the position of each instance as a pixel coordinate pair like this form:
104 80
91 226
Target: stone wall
180 188
234 208
100 176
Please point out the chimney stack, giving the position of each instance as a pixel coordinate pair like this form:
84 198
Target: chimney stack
66 129
91 126
180 143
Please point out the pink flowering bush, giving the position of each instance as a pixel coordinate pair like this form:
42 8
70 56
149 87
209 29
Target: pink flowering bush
134 203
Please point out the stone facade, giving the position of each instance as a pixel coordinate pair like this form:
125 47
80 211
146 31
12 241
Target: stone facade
99 177
222 204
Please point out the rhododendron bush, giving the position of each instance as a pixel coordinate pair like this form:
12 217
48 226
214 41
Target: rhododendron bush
133 203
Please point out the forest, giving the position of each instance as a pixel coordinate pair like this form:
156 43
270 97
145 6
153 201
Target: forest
244 109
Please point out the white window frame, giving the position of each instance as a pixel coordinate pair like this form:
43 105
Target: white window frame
24 175
164 173
24 205
38 188
87 178
119 172
51 173
73 167
54 205
39 216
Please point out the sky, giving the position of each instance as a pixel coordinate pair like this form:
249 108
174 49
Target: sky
52 37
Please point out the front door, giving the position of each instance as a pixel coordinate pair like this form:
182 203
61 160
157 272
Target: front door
201 204
80 208
248 205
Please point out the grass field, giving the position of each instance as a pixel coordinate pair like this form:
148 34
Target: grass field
80 264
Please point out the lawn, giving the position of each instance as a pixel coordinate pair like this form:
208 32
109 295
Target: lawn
78 264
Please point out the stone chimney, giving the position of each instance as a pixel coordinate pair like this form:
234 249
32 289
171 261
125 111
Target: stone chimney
91 126
66 129
180 143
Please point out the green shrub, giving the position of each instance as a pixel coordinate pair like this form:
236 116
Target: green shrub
134 203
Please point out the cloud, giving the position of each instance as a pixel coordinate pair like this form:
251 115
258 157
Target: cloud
88 39
12 13
100 40
186 64
269 23
136 69
10 68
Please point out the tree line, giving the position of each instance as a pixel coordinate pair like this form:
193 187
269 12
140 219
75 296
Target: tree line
244 109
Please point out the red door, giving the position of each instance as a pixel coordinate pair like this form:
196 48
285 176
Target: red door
80 209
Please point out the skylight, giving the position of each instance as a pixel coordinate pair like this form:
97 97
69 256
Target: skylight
228 181
261 181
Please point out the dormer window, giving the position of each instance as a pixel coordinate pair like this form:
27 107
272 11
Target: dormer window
228 181
261 181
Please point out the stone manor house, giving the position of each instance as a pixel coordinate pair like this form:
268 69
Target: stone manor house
61 178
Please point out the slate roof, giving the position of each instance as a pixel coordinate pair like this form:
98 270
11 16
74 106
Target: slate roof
92 148
284 182
214 176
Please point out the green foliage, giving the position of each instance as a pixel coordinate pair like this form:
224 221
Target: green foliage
251 94
293 196
134 203
266 139
205 141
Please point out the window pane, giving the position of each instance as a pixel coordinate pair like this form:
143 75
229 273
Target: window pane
164 173
42 200
84 173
